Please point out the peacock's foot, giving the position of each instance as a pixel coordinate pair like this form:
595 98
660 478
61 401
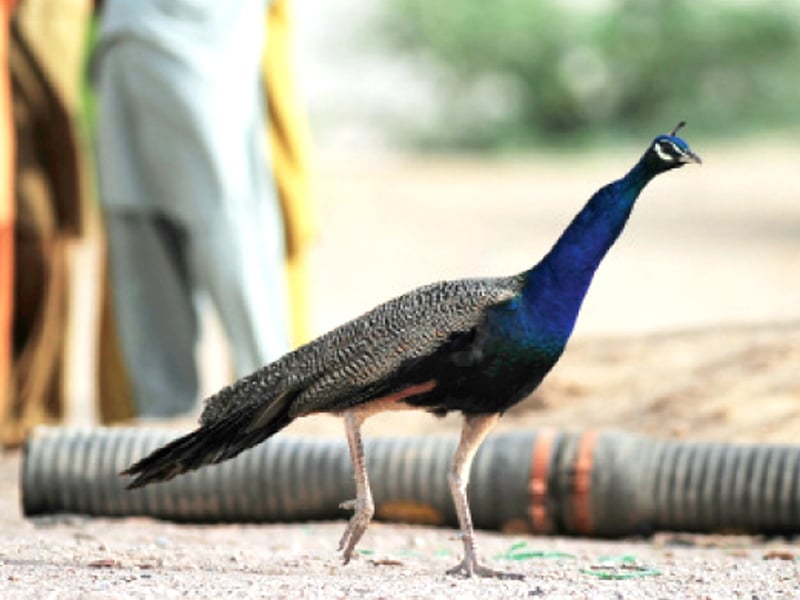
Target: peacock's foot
363 511
469 567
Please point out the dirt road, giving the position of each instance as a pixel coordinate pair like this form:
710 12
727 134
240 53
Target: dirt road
692 330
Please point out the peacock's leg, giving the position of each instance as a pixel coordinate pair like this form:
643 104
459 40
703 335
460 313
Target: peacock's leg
475 429
363 505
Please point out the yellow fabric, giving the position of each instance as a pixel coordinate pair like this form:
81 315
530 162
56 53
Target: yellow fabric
55 30
290 142
115 398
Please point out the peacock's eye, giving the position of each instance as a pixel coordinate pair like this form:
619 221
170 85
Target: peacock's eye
664 151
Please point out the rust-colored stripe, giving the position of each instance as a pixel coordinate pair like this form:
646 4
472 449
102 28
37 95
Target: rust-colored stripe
537 487
393 401
582 483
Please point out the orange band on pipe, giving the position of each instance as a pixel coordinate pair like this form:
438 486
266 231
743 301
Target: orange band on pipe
582 483
537 488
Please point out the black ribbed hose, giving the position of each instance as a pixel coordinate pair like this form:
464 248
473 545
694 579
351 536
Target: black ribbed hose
589 483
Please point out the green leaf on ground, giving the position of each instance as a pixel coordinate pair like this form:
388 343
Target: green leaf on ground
520 551
619 567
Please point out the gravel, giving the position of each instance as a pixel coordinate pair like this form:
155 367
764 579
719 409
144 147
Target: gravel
76 557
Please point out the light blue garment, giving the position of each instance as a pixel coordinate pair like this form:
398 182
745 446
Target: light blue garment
183 178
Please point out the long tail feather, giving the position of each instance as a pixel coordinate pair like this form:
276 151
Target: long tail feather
211 443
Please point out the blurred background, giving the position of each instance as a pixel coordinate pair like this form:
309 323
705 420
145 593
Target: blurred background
463 76
458 138
484 129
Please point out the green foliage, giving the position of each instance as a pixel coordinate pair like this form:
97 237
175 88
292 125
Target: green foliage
518 72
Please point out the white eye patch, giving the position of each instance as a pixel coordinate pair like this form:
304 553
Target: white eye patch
662 153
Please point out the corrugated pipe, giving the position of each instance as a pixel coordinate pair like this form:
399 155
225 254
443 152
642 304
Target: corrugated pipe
587 483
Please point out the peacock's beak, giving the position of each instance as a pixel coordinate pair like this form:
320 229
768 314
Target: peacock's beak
691 157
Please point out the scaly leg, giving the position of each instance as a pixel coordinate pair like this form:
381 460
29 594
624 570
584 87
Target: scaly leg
363 506
472 434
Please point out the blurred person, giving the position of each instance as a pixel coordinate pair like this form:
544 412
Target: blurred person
189 202
45 50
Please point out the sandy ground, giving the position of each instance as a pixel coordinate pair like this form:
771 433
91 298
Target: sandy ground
692 330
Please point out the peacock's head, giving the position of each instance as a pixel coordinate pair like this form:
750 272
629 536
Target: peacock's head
668 151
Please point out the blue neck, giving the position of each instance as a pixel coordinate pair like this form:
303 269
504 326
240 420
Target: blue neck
556 286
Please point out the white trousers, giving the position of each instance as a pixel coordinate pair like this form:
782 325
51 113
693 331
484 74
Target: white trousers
190 207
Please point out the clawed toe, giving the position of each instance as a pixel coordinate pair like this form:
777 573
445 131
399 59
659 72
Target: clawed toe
356 527
347 505
468 568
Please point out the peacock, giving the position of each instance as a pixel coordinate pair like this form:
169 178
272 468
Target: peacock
476 346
